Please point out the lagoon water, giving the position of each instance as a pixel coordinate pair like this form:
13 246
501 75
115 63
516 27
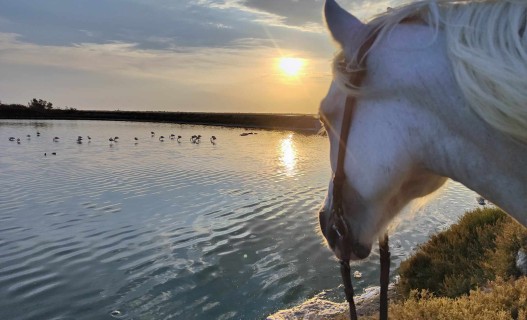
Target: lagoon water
168 230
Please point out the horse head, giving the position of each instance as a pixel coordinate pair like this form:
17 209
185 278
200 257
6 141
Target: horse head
426 106
384 165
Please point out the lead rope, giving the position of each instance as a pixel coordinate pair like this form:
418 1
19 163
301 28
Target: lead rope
345 272
384 251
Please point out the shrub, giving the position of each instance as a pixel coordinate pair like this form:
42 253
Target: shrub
500 300
453 262
501 261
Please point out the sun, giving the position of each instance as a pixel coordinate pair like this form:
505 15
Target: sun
291 67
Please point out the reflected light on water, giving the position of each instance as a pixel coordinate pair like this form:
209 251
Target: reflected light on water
288 156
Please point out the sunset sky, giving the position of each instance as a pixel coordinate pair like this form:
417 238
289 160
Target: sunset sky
169 55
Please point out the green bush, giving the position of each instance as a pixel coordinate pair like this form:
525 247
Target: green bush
481 246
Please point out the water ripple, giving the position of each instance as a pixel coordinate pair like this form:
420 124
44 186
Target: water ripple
161 230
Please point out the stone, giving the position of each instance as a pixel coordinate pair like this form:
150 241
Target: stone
521 261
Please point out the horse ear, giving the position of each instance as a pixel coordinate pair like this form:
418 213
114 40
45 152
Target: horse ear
344 27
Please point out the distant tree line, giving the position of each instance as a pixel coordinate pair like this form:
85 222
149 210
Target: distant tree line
42 109
35 106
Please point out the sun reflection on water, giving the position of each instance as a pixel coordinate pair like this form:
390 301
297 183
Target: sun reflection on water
288 155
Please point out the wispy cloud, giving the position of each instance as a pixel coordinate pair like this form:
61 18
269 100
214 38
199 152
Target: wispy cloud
166 52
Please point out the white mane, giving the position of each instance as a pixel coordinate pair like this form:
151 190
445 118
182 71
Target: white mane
487 46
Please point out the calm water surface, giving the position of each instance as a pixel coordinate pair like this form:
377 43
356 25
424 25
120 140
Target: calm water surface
168 230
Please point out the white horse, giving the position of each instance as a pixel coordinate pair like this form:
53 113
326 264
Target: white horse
443 95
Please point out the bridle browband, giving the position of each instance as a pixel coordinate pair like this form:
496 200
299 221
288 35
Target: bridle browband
337 213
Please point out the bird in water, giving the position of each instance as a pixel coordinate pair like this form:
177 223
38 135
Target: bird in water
213 139
56 139
178 137
12 139
195 139
161 138
153 133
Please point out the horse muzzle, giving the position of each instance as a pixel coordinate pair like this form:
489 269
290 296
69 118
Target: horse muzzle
340 237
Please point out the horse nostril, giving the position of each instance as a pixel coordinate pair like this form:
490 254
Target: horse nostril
361 251
336 229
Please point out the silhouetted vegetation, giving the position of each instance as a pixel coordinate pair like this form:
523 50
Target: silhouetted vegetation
40 105
41 109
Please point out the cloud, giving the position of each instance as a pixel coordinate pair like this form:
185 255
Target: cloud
62 22
144 53
110 74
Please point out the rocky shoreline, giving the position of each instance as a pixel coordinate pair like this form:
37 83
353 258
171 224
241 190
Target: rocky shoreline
319 308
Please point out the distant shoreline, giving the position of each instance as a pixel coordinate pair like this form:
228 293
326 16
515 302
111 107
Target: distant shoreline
294 122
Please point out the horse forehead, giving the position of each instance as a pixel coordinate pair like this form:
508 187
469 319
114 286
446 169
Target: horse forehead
408 55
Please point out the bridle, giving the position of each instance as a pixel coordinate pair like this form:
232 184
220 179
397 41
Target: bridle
337 212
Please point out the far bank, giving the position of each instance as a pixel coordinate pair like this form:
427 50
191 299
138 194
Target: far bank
295 122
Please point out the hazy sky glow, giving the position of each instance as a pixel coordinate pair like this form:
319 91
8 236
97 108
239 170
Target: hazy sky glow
168 55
